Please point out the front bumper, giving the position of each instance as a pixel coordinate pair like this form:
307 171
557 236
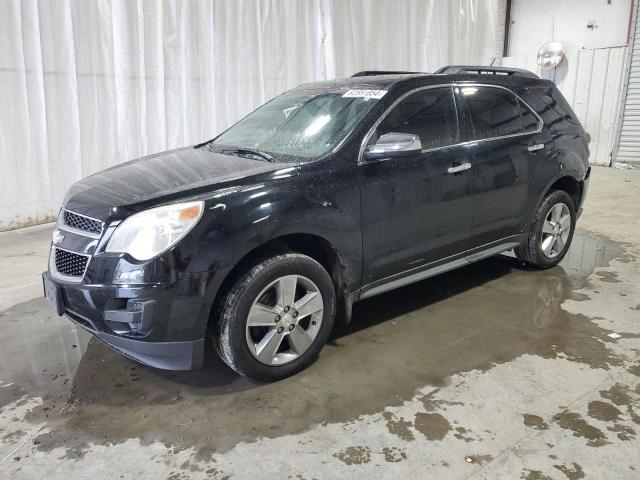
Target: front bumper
186 355
161 325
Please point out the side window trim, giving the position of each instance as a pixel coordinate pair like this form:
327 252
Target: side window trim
452 86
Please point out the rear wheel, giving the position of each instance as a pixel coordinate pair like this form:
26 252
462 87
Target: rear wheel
275 319
551 231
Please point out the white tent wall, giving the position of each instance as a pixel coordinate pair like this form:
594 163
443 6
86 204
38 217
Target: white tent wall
85 85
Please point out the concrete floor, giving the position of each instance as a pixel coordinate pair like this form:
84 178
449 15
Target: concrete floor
486 372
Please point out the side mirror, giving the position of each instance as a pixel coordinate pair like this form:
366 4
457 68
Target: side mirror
392 145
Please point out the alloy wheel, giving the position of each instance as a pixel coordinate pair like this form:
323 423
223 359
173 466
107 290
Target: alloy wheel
284 320
555 230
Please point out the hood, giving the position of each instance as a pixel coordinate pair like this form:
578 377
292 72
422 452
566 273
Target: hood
160 177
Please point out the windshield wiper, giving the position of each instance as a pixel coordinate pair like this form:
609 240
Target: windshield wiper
249 151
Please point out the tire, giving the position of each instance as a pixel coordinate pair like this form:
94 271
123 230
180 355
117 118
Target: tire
535 250
244 337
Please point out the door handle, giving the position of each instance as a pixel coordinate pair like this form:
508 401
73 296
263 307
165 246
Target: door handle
535 147
459 168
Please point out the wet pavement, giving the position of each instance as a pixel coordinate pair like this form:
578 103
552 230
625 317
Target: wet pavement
64 394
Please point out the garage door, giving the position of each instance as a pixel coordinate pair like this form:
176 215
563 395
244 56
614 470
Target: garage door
629 143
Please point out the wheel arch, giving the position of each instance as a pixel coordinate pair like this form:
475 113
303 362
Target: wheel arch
569 184
314 246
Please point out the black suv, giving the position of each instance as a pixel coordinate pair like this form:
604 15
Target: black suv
330 193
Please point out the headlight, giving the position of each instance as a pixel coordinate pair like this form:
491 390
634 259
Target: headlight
149 233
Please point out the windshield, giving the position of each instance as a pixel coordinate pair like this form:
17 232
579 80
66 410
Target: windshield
304 123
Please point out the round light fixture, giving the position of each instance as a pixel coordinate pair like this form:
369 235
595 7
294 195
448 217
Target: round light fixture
550 55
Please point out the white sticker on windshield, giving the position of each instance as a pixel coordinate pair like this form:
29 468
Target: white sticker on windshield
365 93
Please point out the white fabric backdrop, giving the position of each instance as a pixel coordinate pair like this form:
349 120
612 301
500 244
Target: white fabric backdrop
88 84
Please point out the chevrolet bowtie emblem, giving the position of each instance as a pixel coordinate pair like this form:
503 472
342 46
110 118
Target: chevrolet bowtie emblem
57 237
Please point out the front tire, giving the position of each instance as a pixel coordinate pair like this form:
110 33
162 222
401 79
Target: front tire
276 318
551 231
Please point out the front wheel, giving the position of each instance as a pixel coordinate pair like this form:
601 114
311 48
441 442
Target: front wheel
551 231
276 318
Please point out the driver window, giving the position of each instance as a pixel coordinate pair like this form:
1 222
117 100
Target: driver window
430 114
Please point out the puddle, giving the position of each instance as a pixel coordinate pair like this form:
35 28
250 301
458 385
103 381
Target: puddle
473 318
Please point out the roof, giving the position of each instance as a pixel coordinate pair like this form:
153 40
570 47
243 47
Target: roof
467 70
384 80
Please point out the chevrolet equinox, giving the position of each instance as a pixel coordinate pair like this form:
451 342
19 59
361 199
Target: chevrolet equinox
256 241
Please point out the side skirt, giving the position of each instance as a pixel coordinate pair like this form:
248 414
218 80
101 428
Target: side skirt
434 268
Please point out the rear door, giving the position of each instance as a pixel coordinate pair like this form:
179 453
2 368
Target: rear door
507 147
414 211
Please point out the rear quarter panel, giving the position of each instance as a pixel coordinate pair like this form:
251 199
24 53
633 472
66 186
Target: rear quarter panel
569 156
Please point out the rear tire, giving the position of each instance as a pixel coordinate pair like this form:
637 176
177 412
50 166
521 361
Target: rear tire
551 231
276 318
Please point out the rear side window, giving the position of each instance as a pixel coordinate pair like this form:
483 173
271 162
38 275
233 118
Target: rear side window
430 114
496 112
552 107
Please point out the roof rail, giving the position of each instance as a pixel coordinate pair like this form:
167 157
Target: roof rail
482 70
371 73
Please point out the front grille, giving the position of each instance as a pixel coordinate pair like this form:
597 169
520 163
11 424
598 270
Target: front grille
82 223
69 263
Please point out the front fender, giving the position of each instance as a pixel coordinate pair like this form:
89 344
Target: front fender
321 200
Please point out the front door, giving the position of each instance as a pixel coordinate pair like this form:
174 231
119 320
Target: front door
414 211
